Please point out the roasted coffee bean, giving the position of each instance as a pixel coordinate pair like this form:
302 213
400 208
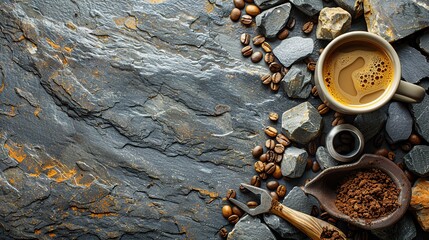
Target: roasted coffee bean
316 167
406 147
332 220
274 196
255 181
269 58
266 79
230 193
284 71
281 191
226 211
259 166
263 176
247 51
263 157
249 1
271 156
314 211
308 27
291 23
401 165
272 185
283 34
246 20
321 50
270 168
257 151
415 139
391 156
266 47
233 219
256 57
245 39
258 40
235 14
252 10
410 176
337 121
324 215
239 4
279 148
273 116
314 91
309 164
275 67
223 233
237 211
311 66
270 144
270 131
277 174
308 60
312 147
283 140
279 158
276 77
274 86
323 109
382 152
252 204
243 189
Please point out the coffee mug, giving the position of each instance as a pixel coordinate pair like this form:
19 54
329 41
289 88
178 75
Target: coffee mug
359 72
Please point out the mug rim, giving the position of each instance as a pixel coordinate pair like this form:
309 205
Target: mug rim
373 105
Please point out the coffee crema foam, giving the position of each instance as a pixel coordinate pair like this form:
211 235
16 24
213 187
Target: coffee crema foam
357 74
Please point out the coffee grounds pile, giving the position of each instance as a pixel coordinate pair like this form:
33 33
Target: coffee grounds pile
330 234
369 194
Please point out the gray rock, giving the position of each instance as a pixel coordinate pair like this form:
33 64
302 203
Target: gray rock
396 21
404 229
370 123
417 160
293 49
294 161
332 23
271 21
424 42
411 59
420 112
399 122
354 7
301 123
309 7
248 228
324 159
297 81
297 200
266 4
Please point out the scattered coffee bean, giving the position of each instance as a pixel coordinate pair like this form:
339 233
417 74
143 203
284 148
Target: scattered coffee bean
401 165
252 10
258 40
269 58
279 158
324 215
275 67
237 211
257 151
279 148
309 164
263 157
410 176
291 23
233 219
314 211
226 211
245 39
255 181
243 189
332 220
266 79
246 20
273 116
274 196
270 144
270 131
281 191
235 14
239 4
314 91
308 27
266 47
321 50
223 233
270 168
256 57
230 193
249 1
283 34
406 147
263 176
323 109
415 139
312 147
259 166
382 152
283 140
311 66
316 167
247 51
277 174
274 86
271 156
252 204
391 156
276 77
272 185
338 121
284 70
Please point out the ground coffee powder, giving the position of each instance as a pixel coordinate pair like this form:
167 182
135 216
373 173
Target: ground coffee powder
367 194
330 234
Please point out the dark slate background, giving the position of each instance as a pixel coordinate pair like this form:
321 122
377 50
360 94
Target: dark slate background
127 119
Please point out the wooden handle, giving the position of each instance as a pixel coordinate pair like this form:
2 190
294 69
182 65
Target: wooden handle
311 226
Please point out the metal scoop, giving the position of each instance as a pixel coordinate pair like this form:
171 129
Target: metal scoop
311 226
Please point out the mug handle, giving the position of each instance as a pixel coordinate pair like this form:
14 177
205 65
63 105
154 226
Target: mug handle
409 93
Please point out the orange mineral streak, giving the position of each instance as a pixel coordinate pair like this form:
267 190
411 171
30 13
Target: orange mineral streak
102 215
52 44
37 112
212 195
16 152
37 231
209 7
68 49
52 235
420 196
156 1
2 86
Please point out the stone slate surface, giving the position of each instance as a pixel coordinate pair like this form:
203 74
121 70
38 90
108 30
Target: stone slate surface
293 49
371 123
297 81
417 160
309 7
271 21
249 228
420 112
324 159
266 4
411 59
399 122
424 42
403 229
